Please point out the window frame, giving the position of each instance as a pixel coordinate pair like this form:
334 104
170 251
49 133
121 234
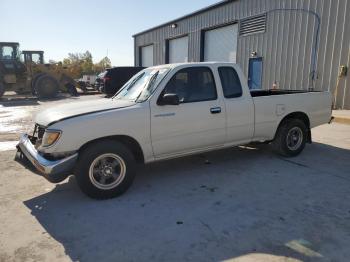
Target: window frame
239 79
189 68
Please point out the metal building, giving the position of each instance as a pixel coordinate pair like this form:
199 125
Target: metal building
287 44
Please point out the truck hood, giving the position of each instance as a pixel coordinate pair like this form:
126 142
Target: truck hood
69 110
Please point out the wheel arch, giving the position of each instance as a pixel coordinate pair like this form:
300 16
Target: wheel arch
297 115
127 141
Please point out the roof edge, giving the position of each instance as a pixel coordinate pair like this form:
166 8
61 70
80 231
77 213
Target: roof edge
202 10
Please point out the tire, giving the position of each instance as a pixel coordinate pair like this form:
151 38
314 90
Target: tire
72 89
46 87
291 138
98 182
69 84
82 85
2 89
35 78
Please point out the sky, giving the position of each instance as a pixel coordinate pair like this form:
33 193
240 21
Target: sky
71 26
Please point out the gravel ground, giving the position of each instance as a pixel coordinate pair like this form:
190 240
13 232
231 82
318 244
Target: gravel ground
244 204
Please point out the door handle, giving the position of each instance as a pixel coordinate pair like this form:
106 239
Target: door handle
215 110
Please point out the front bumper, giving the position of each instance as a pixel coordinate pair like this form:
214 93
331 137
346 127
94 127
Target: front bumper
53 170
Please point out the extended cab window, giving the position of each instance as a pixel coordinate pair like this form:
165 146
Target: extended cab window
230 82
192 84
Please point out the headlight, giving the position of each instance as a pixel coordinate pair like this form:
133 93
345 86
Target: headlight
50 137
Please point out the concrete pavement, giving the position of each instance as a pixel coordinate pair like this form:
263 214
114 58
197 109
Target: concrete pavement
239 204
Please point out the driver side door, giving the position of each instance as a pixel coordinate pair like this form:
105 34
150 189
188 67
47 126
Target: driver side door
196 123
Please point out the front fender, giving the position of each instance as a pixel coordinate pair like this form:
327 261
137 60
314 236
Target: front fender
77 131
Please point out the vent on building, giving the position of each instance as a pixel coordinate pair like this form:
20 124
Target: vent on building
252 25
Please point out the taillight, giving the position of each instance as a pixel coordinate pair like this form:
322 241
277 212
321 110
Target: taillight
105 79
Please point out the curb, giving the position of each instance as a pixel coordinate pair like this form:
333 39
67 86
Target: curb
341 120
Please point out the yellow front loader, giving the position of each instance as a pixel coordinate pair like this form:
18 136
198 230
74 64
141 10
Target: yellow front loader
30 74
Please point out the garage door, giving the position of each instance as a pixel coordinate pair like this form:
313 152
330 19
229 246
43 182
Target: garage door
220 44
147 56
178 50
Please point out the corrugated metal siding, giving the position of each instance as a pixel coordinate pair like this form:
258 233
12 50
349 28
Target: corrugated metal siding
286 46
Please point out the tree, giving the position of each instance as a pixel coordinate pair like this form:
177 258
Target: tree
103 64
80 64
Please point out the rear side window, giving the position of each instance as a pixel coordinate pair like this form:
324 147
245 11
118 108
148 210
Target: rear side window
230 82
192 84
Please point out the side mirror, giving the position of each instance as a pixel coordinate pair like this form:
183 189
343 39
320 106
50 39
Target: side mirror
169 99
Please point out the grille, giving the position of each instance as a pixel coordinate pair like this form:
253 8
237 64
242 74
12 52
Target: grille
252 25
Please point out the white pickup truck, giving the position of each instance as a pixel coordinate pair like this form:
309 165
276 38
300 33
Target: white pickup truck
165 112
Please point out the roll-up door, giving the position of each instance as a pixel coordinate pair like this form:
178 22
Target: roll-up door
220 44
147 56
178 50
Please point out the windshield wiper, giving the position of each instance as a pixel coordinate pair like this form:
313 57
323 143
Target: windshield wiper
130 85
149 85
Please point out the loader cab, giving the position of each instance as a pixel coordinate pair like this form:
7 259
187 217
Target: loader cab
9 51
9 57
36 57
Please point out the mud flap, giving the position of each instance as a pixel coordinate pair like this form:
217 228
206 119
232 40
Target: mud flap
309 137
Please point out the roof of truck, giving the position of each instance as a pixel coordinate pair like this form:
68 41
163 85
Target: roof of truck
192 63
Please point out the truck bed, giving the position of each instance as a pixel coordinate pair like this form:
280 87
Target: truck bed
274 92
271 106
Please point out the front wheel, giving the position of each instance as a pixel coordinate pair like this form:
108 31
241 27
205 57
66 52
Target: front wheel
105 169
290 138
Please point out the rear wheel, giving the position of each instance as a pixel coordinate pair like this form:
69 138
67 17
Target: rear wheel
290 138
105 169
46 87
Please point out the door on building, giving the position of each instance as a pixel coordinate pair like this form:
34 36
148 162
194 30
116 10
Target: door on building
255 73
147 56
220 44
178 50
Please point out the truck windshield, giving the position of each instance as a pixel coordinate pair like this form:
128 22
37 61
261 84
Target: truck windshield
142 85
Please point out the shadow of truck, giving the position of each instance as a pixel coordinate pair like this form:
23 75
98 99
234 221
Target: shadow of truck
215 206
